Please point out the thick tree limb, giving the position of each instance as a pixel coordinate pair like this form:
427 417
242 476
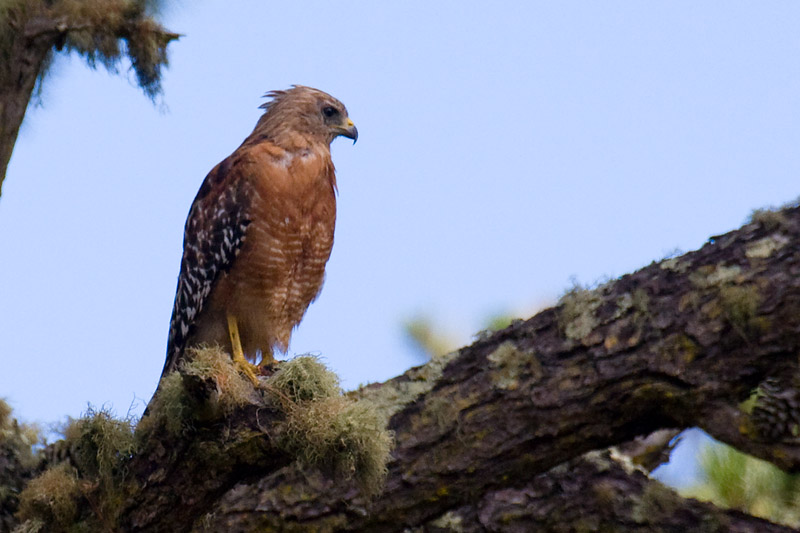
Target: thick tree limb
494 437
680 343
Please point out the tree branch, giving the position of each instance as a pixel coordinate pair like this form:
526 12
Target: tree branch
480 433
31 29
680 343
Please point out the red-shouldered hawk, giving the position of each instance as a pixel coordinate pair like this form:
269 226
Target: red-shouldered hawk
260 231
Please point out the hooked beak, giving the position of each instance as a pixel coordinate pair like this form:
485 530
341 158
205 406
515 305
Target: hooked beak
349 130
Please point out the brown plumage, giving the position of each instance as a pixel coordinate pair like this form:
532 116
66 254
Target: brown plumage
260 231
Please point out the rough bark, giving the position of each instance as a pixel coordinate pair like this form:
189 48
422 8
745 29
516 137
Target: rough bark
680 343
30 30
499 435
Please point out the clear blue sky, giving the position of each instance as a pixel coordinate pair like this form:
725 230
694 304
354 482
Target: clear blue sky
504 148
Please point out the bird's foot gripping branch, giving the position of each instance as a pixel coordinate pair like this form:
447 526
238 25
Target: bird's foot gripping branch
207 429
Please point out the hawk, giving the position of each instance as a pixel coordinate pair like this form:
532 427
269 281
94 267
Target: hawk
260 232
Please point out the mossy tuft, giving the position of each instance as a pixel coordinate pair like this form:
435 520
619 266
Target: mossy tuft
98 449
95 29
18 440
339 434
305 378
52 500
19 462
325 429
99 444
233 389
174 410
769 218
169 408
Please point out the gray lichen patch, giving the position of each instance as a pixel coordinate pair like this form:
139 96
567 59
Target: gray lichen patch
715 275
740 304
391 397
637 301
441 411
449 521
578 306
624 304
763 248
509 363
675 264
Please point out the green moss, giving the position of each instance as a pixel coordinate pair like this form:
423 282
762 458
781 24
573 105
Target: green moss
52 499
95 30
212 363
325 429
19 462
686 348
346 436
99 443
305 378
170 408
99 447
18 440
440 411
34 525
174 410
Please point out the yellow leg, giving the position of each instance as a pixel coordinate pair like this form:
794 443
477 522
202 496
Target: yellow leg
266 359
238 355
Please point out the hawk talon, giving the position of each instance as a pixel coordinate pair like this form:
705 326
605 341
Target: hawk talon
244 366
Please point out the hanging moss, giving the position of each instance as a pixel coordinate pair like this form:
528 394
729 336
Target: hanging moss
52 500
325 429
305 378
89 486
103 32
18 462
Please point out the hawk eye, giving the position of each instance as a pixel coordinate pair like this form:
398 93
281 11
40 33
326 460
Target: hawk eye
330 111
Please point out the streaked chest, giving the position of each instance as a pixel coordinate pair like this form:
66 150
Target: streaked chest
293 216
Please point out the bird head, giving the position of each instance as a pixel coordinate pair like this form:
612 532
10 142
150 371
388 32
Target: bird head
308 111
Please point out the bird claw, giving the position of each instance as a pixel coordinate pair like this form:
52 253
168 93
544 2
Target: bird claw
245 367
249 370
